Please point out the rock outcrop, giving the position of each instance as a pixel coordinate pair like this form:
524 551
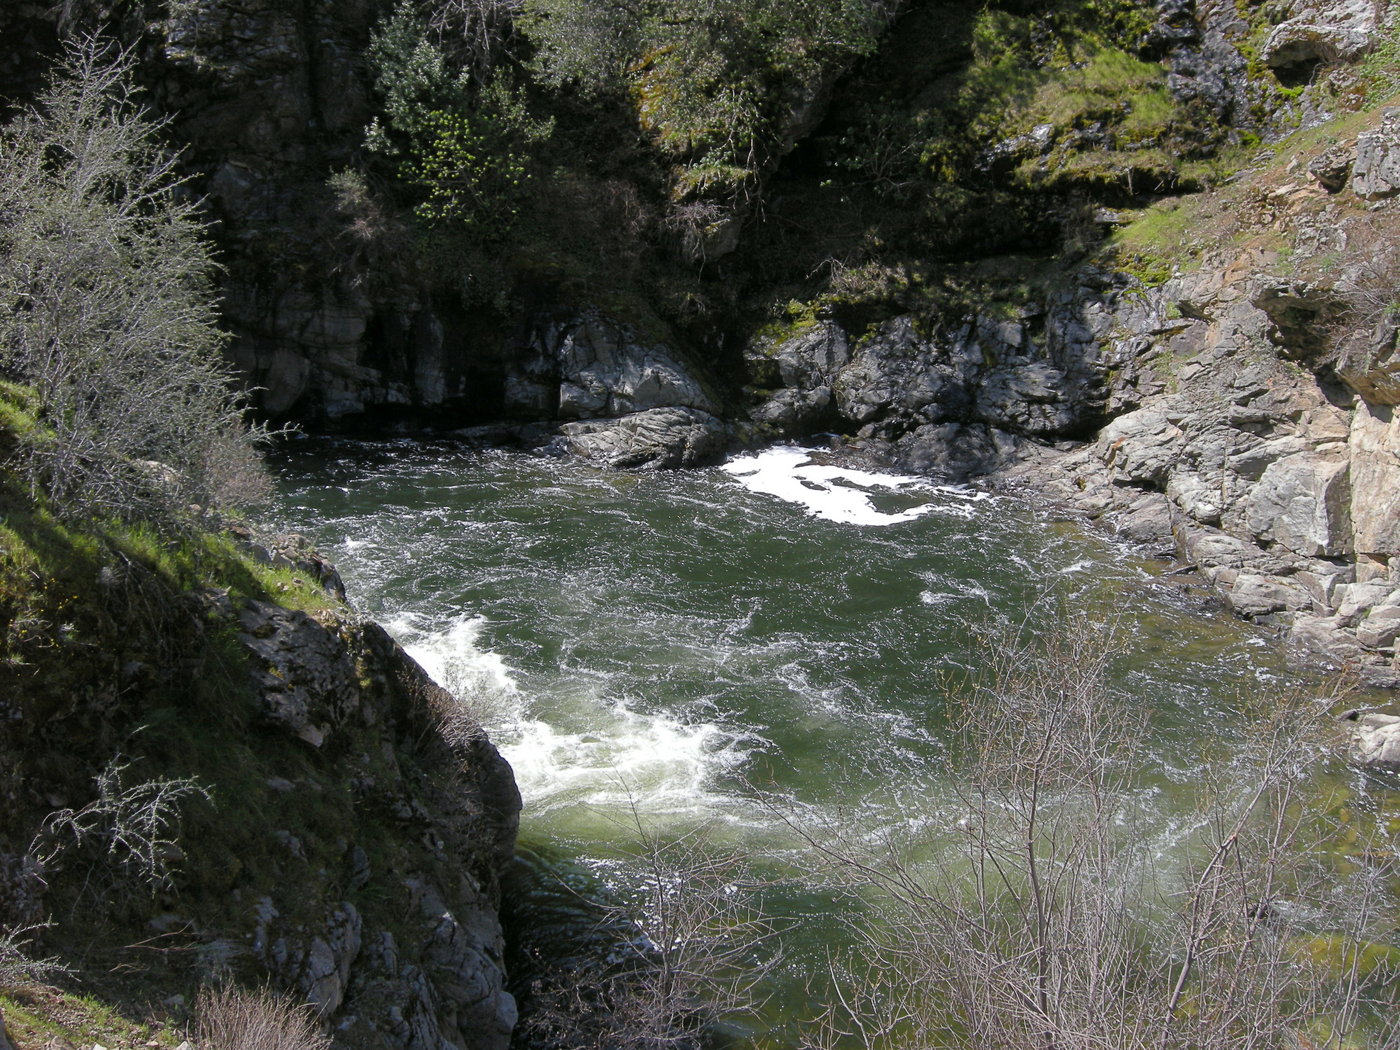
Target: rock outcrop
429 973
1376 740
1322 32
955 402
658 438
345 821
1241 415
628 403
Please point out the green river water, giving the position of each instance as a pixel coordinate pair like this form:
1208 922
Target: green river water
723 648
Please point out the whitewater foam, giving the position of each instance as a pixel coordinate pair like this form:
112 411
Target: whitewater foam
840 494
456 660
625 754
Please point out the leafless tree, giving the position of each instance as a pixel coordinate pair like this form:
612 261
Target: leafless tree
1046 917
107 308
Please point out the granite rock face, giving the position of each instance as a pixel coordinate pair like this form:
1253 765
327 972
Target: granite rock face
434 976
1280 480
954 402
586 366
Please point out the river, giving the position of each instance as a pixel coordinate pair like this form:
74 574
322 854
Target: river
734 651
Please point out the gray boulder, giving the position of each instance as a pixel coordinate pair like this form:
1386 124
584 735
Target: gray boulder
1380 628
805 366
1141 447
899 380
1332 167
659 438
305 679
1376 741
1370 364
604 372
1375 480
955 451
1322 31
1253 596
1028 398
814 357
316 961
1303 43
1303 503
1147 521
1376 171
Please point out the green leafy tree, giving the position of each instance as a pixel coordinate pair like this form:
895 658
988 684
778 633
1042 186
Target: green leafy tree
108 310
711 78
462 148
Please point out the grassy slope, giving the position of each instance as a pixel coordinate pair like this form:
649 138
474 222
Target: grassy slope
107 650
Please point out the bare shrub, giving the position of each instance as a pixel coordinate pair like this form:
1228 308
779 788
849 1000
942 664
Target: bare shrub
230 1018
1049 917
476 30
131 830
691 947
17 965
693 223
107 307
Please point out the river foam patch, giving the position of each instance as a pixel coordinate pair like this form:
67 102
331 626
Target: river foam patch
622 755
841 494
586 750
455 659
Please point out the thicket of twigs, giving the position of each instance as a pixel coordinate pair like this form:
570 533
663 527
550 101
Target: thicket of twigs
108 314
1053 914
1056 909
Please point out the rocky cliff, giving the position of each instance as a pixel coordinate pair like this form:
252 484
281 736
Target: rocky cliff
202 784
1233 410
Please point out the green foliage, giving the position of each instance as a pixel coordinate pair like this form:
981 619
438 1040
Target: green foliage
107 309
467 168
1155 244
1053 97
1380 70
411 76
585 42
462 151
1000 129
711 80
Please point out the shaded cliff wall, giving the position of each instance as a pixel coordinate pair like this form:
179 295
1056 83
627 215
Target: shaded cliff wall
333 823
267 100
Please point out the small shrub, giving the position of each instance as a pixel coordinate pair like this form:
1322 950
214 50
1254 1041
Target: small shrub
230 1018
692 948
462 150
17 965
132 829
